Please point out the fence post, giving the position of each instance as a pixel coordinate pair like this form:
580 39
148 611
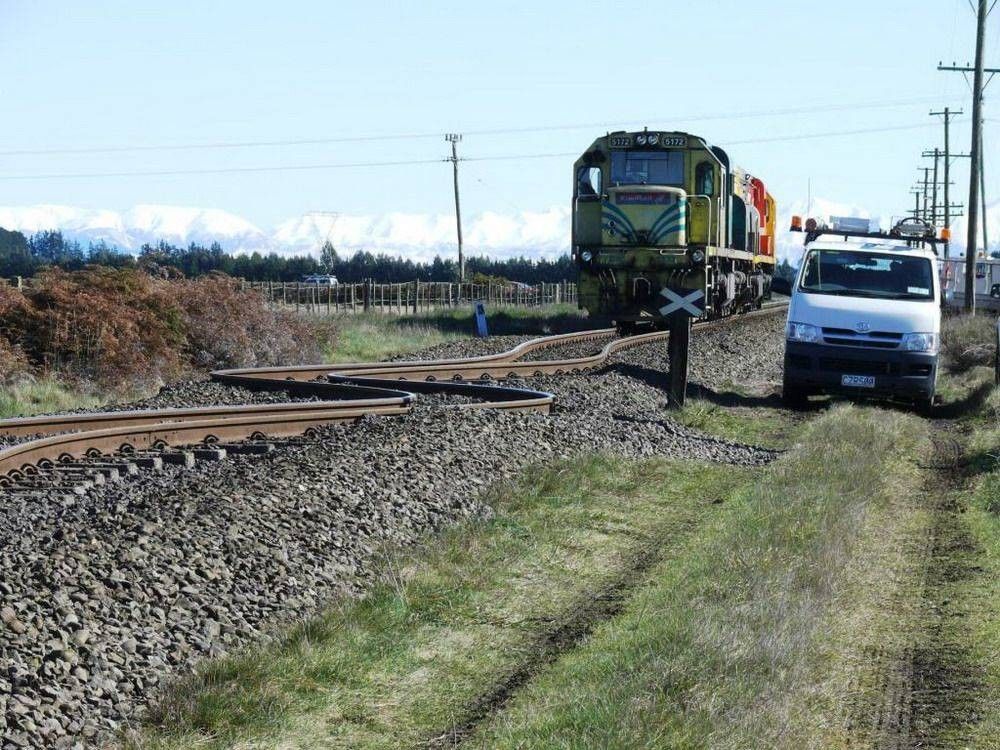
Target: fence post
366 294
416 296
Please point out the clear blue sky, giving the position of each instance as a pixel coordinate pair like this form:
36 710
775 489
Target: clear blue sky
109 73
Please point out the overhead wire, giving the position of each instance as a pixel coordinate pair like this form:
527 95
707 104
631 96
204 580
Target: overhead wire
809 109
413 162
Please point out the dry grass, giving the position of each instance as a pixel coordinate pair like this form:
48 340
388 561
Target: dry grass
967 342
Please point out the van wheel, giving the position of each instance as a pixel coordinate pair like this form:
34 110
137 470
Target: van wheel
925 406
794 395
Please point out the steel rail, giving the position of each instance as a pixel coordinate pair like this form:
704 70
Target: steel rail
347 392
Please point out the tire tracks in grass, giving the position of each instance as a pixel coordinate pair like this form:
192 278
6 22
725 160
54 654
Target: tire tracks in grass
562 635
929 693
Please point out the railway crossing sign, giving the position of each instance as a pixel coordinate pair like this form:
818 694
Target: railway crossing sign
683 301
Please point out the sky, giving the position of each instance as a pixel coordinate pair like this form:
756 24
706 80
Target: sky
755 77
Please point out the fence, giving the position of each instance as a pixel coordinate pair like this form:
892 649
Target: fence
409 297
399 299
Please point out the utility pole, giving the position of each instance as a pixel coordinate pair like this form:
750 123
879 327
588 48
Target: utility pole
947 113
982 190
975 150
453 139
937 157
925 189
916 203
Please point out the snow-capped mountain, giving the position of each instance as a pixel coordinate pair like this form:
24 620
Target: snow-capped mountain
416 236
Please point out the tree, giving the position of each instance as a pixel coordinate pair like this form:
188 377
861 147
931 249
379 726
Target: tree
328 258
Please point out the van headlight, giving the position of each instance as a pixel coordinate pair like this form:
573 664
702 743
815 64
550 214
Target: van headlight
921 342
802 332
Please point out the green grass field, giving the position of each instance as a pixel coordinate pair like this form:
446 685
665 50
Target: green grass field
373 336
42 396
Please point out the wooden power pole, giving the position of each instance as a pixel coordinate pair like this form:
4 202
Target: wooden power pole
975 151
947 114
453 139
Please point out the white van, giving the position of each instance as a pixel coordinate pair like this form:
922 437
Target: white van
865 315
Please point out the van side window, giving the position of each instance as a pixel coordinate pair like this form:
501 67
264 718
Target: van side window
704 178
588 182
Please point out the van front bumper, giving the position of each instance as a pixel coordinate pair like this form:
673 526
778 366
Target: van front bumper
897 373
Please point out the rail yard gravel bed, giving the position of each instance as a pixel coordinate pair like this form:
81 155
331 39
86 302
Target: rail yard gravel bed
104 596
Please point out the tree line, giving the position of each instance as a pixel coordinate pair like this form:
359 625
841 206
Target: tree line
21 255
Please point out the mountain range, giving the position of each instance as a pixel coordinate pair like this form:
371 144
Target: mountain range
417 236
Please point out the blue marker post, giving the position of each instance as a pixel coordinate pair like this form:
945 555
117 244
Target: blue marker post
479 309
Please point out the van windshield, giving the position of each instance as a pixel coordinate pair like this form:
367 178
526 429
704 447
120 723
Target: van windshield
864 274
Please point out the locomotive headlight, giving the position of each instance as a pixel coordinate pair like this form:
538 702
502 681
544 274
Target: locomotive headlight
697 256
653 139
586 256
640 140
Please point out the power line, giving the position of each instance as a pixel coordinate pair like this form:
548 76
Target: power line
828 134
222 170
412 162
485 132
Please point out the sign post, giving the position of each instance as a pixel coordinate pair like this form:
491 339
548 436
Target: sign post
479 310
681 305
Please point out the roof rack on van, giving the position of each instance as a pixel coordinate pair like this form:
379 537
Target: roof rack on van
911 230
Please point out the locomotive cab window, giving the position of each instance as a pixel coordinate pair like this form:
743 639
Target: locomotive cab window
647 168
704 178
588 182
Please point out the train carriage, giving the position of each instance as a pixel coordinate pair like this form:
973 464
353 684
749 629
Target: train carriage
664 224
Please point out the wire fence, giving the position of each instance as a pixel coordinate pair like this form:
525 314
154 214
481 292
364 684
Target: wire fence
409 297
397 299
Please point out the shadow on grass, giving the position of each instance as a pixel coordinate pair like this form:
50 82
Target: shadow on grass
970 403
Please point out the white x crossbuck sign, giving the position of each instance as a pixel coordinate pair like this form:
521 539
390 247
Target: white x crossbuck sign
691 302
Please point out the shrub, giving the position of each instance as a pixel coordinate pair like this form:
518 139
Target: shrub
230 327
117 327
968 341
125 330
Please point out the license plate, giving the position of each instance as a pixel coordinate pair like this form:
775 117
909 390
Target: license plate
858 381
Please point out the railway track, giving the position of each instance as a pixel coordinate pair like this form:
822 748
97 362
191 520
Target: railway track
79 450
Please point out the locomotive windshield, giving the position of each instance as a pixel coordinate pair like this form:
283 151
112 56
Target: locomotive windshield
857 274
647 168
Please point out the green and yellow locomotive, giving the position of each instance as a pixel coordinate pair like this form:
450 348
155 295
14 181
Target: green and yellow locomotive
665 225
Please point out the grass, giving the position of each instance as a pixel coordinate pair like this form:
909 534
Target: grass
978 596
767 426
726 645
369 337
721 633
42 396
968 341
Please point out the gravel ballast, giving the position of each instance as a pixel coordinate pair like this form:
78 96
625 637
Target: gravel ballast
106 595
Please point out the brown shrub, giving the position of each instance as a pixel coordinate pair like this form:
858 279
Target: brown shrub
230 327
124 329
116 327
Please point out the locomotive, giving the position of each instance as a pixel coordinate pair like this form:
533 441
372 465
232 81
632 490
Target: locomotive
665 225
